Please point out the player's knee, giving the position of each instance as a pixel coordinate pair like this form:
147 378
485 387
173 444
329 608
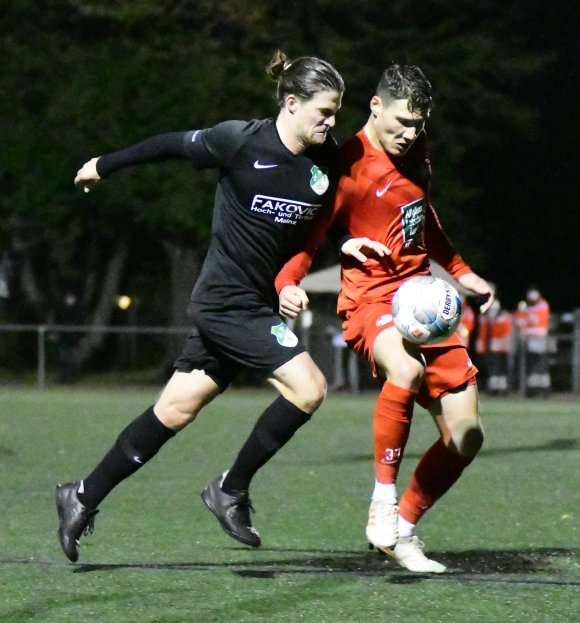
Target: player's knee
315 397
408 373
312 394
471 441
174 416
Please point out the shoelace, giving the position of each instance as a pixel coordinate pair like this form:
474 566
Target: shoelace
385 510
90 527
245 505
242 502
418 547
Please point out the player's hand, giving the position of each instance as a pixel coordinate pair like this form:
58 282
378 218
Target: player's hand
480 288
292 301
362 248
87 175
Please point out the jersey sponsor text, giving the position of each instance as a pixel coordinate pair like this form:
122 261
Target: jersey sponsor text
284 210
413 219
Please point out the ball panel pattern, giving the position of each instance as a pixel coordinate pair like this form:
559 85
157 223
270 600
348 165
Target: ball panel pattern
426 310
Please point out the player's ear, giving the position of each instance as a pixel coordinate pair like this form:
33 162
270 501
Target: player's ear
291 103
376 105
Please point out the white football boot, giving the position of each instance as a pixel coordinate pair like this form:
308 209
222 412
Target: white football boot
409 554
382 529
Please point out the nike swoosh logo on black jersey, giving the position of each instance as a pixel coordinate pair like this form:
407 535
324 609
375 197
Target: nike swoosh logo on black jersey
258 165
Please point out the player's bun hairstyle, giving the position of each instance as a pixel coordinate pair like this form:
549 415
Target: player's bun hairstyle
304 77
407 82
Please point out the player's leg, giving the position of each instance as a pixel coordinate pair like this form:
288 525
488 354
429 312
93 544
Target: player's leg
461 436
302 388
457 417
181 400
401 364
450 394
184 395
268 344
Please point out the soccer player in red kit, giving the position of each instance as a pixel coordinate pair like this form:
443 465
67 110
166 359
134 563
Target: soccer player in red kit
382 196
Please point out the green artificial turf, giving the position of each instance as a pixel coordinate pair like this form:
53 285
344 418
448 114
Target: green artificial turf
508 531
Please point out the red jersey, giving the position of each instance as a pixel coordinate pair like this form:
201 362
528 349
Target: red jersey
382 198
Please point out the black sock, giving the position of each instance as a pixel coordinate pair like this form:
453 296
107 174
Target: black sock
138 443
274 428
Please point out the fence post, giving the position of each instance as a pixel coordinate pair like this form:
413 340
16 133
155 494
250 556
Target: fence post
576 352
522 364
41 357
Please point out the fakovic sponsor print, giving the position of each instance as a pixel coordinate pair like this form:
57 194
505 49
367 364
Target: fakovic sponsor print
284 210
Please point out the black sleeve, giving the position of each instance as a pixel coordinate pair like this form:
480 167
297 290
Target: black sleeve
154 149
217 146
338 235
207 148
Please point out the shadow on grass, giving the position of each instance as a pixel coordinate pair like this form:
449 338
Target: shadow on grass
469 565
555 445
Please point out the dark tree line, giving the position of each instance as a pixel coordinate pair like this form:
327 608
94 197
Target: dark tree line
84 77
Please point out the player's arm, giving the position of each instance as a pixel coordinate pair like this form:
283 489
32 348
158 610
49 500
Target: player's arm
442 251
297 267
480 288
155 149
440 248
291 298
207 148
363 248
358 248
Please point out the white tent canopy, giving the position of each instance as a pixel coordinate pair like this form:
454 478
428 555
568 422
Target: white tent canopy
328 279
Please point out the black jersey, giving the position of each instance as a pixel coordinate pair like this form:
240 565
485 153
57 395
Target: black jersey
265 202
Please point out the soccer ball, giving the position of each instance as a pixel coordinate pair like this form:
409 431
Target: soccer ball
426 310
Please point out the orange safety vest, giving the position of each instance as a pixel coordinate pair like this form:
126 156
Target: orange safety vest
535 319
466 324
495 334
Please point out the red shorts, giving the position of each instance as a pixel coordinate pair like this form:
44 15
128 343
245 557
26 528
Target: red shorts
447 364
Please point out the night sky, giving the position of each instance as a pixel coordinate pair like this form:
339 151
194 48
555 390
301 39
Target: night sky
532 184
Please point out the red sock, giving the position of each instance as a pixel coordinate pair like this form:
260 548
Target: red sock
435 474
392 422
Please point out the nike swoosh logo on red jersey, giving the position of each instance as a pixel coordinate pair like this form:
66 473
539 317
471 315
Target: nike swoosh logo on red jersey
381 192
259 165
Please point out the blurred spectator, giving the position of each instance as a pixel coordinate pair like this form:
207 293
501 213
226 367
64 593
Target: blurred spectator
533 317
494 344
466 324
346 364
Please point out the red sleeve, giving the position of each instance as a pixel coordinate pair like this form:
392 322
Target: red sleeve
297 267
439 247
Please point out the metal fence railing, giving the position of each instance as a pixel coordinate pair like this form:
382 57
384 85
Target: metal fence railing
43 331
563 353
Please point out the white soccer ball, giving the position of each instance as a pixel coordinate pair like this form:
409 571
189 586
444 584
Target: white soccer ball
426 310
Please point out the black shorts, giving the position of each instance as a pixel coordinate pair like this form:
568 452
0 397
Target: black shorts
227 342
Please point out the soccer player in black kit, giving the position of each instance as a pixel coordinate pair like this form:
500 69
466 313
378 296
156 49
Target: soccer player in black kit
275 175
